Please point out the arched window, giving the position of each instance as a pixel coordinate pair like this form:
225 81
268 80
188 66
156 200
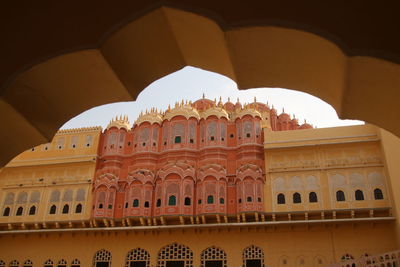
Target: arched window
296 198
172 200
101 206
65 209
76 263
27 263
359 195
19 212
249 199
62 263
135 203
102 258
378 193
210 199
48 263
281 199
138 257
158 204
53 209
312 197
181 255
253 256
221 200
146 204
187 201
78 208
14 263
213 256
32 210
340 196
6 211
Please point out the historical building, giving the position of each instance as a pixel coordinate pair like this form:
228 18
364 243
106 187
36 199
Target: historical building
200 184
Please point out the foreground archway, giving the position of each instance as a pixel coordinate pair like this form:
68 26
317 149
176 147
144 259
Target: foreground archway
37 99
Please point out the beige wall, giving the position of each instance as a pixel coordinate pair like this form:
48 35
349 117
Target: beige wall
295 244
325 161
66 165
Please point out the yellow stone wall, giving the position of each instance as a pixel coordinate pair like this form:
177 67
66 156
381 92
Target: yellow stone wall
325 161
315 245
66 165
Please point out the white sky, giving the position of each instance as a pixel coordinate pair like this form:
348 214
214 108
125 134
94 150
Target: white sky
190 84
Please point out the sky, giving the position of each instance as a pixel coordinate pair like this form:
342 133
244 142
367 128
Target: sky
190 83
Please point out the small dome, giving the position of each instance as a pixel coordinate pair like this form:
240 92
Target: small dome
119 122
203 104
182 109
305 125
152 117
284 117
229 106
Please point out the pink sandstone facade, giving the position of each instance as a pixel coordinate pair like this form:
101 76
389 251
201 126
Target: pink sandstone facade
195 159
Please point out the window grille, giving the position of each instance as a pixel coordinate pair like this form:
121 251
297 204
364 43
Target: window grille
213 254
253 253
103 256
138 255
175 252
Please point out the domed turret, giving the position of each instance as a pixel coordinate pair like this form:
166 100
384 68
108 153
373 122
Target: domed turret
305 125
203 104
229 106
121 122
284 117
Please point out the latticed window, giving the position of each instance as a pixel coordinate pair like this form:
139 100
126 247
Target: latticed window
253 256
378 193
48 263
102 258
27 263
340 196
138 257
213 256
312 197
14 263
359 195
35 197
53 209
78 208
296 198
62 263
67 195
172 200
177 253
76 263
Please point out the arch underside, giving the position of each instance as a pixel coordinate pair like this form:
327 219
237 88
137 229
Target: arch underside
37 100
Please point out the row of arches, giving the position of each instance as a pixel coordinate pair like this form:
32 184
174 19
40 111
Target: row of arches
359 195
47 263
340 196
66 209
179 255
176 192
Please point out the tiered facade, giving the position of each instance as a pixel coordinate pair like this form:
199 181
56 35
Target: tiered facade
193 159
